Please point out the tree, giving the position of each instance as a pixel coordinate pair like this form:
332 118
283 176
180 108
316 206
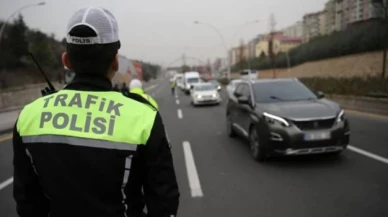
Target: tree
42 50
381 7
185 68
14 46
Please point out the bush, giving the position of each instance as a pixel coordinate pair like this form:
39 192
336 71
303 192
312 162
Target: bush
356 86
358 38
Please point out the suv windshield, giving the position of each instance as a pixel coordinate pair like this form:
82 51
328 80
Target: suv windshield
276 91
204 87
192 80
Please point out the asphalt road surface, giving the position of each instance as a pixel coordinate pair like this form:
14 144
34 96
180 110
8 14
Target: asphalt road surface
217 176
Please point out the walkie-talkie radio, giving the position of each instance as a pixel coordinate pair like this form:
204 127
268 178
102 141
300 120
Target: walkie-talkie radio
47 90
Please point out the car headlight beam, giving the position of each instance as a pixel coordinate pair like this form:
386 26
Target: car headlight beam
271 118
340 116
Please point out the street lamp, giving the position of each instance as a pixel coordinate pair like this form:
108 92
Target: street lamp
223 39
223 42
17 11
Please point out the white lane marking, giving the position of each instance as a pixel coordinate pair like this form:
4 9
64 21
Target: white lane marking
158 90
151 87
368 154
180 115
6 183
177 101
192 174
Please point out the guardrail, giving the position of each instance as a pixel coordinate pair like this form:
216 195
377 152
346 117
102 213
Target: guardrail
18 97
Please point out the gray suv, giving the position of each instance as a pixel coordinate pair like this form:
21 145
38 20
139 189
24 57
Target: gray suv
284 117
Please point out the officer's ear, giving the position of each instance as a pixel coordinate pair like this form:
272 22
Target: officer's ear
66 61
115 64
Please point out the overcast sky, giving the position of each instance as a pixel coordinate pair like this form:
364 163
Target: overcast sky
161 30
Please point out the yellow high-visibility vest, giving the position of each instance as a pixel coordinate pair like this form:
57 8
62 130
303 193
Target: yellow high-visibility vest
140 91
94 119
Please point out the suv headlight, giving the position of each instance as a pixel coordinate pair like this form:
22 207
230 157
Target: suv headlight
214 95
198 96
273 118
341 116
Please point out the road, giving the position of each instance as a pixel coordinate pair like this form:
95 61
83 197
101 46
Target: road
217 176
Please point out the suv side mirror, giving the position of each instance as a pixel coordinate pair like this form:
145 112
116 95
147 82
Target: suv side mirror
243 100
192 87
320 94
236 94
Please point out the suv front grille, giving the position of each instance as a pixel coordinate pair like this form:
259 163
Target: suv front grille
315 124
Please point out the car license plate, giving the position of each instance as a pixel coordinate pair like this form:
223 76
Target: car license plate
322 135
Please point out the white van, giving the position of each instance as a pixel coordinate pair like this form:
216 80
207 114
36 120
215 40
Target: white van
248 74
189 79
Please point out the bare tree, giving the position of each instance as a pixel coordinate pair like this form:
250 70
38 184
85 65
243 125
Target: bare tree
271 53
241 57
381 8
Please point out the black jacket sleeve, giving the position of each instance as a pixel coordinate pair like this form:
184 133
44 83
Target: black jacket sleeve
160 185
28 193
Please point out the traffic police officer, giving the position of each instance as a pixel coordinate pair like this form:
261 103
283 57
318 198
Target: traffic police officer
137 87
87 150
173 83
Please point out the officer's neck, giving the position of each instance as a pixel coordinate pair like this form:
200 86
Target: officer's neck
90 82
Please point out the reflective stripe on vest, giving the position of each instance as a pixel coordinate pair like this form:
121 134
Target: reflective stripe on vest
91 119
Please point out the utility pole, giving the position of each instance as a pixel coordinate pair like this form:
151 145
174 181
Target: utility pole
241 60
271 53
381 7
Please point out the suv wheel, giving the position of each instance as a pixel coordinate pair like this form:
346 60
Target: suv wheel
257 151
229 127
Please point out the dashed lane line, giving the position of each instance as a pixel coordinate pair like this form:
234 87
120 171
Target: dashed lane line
150 87
192 174
368 154
180 115
6 183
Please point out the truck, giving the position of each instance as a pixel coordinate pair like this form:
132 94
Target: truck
190 79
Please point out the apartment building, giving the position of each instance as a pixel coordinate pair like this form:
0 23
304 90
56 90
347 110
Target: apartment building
295 30
252 46
281 43
314 24
330 16
351 11
237 54
322 22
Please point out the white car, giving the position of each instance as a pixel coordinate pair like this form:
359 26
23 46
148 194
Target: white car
231 87
204 94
